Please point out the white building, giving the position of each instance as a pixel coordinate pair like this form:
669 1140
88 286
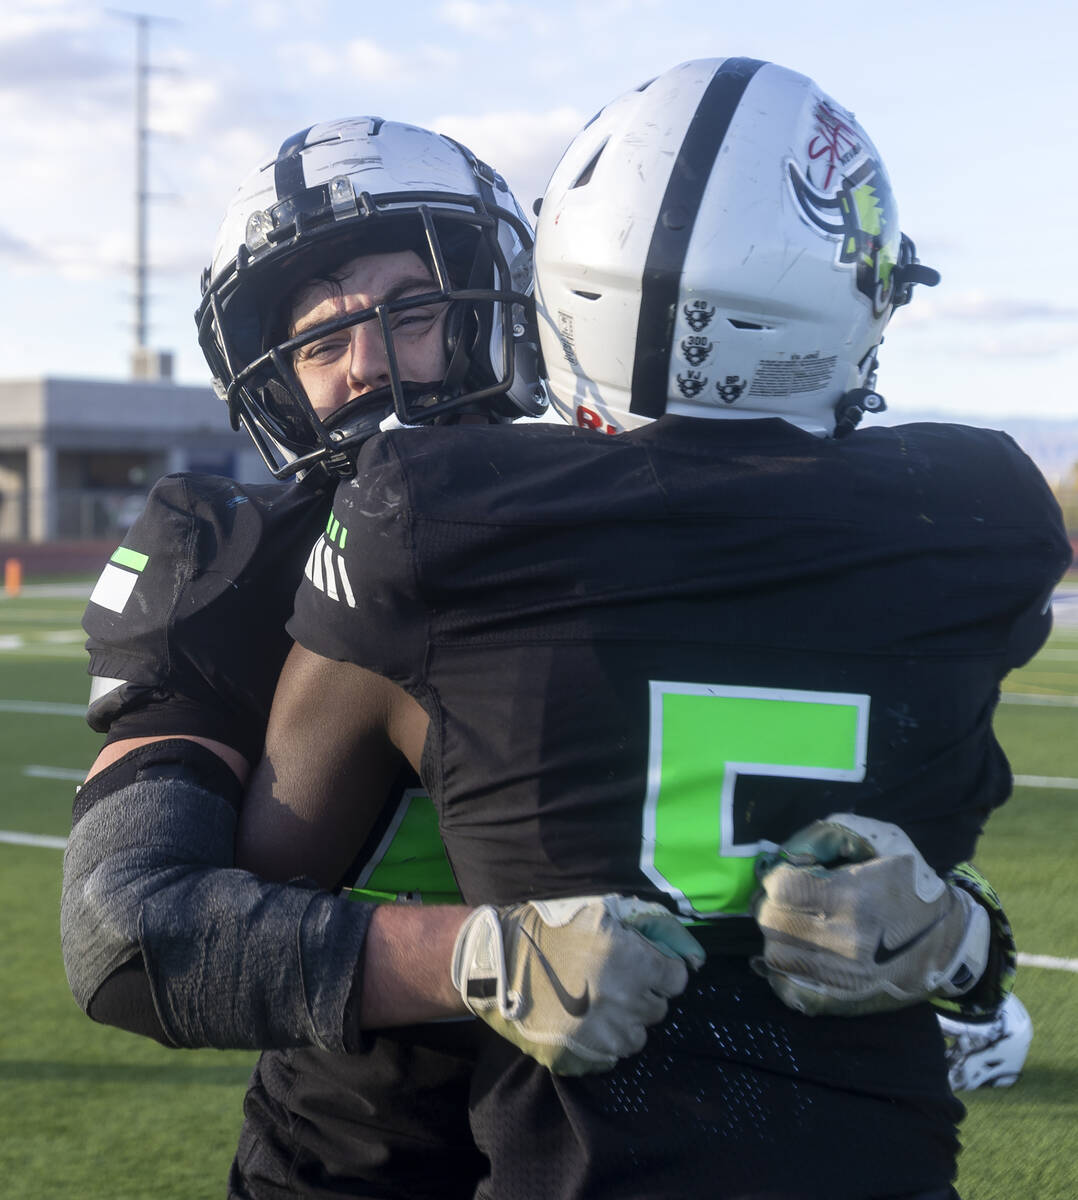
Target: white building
78 456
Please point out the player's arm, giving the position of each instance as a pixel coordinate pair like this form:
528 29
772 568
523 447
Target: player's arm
855 921
112 752
162 936
334 743
337 738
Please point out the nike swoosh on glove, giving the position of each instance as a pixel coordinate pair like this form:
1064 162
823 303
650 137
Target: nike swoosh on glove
574 983
855 921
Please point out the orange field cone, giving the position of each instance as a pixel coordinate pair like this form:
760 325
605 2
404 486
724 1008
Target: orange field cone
12 576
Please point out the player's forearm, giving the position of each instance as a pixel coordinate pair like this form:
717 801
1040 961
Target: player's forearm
228 960
406 963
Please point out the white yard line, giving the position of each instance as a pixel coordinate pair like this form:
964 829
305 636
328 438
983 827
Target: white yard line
1047 961
1047 701
32 839
71 773
43 708
51 591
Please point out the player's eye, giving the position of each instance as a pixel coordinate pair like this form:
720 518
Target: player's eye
413 318
324 350
417 320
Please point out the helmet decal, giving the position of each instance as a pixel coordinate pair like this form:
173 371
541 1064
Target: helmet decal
860 214
837 141
696 349
691 384
699 314
730 389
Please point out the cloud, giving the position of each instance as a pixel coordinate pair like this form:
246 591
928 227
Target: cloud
20 18
497 20
978 306
1028 343
523 146
18 251
369 62
70 255
41 59
55 54
976 324
273 16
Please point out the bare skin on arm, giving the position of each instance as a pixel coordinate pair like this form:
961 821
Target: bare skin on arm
114 751
337 737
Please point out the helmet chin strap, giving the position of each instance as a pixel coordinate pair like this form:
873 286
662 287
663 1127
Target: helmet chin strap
462 346
852 406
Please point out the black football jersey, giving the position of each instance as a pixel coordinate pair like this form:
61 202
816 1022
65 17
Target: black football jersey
645 660
186 624
695 638
186 634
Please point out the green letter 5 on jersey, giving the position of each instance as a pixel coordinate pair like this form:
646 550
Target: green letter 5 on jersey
703 737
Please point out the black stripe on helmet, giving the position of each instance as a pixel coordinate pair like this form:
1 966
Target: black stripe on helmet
288 169
673 231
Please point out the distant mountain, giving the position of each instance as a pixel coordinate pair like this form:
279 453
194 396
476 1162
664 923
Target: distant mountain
1052 443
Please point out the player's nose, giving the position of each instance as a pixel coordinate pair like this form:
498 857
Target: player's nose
368 362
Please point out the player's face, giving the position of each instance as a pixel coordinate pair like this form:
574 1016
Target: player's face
346 365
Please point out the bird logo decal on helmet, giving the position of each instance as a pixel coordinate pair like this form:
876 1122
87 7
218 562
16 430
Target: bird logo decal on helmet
852 203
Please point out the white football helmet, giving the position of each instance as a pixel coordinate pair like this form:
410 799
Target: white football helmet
721 241
988 1053
338 190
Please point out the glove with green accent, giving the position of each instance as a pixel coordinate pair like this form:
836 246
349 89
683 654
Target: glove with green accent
573 983
855 921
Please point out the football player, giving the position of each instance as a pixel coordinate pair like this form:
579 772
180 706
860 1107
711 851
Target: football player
738 642
186 637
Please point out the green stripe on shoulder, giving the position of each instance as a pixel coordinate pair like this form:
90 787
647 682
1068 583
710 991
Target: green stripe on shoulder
130 558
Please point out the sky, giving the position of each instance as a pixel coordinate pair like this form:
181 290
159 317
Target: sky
973 107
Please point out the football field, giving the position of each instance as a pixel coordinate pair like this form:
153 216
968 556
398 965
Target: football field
90 1112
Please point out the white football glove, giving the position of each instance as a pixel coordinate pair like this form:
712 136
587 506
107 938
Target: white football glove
855 921
573 983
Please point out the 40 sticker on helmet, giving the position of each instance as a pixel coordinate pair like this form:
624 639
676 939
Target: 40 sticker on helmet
698 313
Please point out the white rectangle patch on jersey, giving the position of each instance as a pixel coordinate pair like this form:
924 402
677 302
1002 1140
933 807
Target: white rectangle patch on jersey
114 588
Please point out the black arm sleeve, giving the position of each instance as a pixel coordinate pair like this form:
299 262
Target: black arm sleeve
225 959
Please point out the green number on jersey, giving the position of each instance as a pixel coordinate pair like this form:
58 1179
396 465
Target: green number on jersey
410 863
702 739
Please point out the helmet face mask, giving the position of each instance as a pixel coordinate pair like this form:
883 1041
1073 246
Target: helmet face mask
721 242
338 192
988 1053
